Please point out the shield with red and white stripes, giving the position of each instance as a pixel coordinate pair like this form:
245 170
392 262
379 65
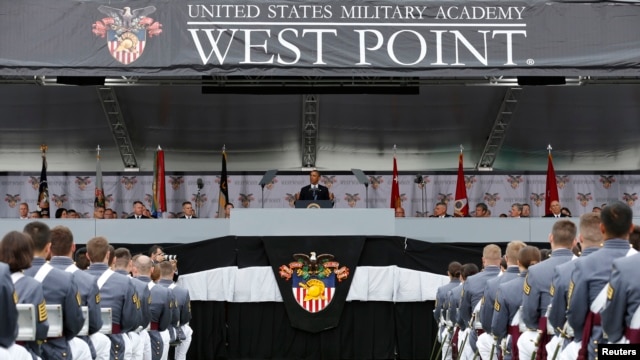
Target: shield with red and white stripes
128 46
313 294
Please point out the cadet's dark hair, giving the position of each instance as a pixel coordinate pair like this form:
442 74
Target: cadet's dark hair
617 218
529 255
469 269
123 256
80 257
40 234
454 269
16 249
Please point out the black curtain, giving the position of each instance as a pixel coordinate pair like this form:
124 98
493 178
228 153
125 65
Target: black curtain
367 330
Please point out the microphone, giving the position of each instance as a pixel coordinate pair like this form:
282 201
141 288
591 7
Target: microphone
199 183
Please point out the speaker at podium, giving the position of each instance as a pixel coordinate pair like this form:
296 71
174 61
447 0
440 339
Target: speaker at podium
314 204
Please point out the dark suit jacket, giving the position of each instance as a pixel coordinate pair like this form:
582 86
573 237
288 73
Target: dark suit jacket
445 215
551 215
132 216
307 194
184 217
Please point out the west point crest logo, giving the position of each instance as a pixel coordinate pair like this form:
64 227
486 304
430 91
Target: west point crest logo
126 31
313 279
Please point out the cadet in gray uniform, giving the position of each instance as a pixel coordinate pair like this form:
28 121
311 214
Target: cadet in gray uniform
536 299
17 251
444 337
590 238
183 304
587 290
453 304
472 292
59 288
11 261
160 306
62 248
508 301
623 300
9 315
122 265
117 293
485 342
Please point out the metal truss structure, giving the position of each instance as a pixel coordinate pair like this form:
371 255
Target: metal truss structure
112 113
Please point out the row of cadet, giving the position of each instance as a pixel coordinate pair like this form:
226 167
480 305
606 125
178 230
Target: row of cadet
559 308
146 317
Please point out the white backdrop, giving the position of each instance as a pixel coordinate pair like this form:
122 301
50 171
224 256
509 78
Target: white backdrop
580 193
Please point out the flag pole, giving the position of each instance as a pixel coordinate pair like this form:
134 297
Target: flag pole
99 191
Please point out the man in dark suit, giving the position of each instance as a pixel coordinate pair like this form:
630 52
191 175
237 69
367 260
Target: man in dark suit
440 211
138 208
314 191
555 210
187 211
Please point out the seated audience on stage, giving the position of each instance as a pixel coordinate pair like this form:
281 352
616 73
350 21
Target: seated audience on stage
481 210
24 211
516 210
566 212
98 212
138 211
556 210
440 211
227 210
399 212
187 211
72 214
34 215
61 213
109 214
526 210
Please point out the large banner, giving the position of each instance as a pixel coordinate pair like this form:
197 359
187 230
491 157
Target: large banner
318 38
579 193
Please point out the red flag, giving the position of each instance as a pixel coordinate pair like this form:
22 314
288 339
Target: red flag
551 190
159 204
461 205
395 188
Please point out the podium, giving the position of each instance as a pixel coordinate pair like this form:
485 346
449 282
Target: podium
314 204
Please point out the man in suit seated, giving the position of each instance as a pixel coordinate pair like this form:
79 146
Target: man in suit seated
138 209
314 191
187 211
440 211
555 210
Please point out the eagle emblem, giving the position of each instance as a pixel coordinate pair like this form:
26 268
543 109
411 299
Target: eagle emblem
313 279
12 200
126 31
291 199
352 199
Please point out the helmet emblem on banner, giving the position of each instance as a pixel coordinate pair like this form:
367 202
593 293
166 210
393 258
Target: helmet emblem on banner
126 31
313 279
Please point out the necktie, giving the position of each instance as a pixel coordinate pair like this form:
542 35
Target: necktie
315 193
137 216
